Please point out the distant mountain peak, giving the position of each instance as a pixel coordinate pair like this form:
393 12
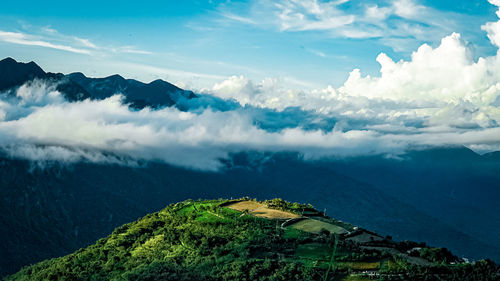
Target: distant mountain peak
115 77
8 60
77 86
13 73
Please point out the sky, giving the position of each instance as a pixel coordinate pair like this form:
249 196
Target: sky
324 79
307 44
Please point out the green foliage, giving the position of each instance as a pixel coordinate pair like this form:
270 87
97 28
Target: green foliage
438 255
202 240
280 204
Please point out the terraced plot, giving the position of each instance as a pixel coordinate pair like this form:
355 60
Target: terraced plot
315 226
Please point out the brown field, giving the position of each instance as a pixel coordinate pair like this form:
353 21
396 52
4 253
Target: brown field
261 210
315 226
245 205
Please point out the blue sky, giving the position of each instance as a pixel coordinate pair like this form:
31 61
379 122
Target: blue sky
307 44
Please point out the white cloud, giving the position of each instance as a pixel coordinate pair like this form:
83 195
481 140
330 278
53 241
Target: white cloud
241 86
438 86
39 125
49 37
29 40
387 21
130 50
495 3
493 28
75 131
377 13
407 9
441 96
311 15
86 42
237 18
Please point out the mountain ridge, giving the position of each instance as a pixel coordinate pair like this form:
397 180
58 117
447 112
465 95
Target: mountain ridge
76 86
246 239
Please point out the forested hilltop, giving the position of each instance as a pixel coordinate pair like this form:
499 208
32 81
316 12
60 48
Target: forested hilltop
246 239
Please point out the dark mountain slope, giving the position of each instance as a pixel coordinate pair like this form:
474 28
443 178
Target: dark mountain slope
77 86
492 156
455 185
54 211
156 93
351 199
14 74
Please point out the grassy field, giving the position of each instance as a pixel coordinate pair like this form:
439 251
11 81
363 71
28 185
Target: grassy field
292 233
315 226
204 211
314 251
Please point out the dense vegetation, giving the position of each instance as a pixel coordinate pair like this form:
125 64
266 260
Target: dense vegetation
205 240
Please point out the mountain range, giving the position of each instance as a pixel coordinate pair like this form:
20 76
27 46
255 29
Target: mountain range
76 86
444 196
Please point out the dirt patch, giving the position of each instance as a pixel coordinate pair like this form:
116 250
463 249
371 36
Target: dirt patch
261 210
245 205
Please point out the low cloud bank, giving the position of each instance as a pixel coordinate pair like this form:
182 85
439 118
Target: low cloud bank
440 97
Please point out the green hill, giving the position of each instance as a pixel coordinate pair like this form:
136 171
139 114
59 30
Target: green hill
249 240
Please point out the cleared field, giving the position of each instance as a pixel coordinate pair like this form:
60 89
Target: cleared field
245 205
315 226
260 210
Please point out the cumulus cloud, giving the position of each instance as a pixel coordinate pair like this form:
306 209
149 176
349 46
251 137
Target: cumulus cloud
80 130
440 97
438 86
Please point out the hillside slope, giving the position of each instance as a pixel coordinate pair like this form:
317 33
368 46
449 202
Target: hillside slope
53 211
250 240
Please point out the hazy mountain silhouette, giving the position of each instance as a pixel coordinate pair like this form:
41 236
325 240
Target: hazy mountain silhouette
77 86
